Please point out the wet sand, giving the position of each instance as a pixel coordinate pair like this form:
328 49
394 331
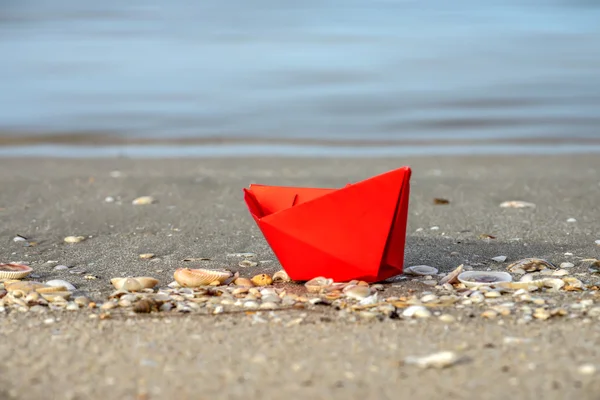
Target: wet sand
200 213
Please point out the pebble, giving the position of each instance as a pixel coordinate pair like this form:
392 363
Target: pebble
72 306
19 239
492 294
566 265
489 314
499 258
147 256
144 200
109 199
166 307
571 220
268 305
429 298
60 267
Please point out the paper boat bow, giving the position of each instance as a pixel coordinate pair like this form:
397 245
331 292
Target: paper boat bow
356 232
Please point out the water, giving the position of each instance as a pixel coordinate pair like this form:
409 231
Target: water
473 75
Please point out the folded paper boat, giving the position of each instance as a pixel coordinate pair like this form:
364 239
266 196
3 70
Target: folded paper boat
355 232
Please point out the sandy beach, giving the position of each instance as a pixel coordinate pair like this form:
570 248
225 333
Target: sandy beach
314 352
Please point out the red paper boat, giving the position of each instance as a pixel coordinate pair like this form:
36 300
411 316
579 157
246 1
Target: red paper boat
356 232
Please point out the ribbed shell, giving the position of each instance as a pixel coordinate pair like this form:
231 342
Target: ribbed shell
14 271
188 277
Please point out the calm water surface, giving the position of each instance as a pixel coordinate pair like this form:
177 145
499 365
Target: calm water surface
328 69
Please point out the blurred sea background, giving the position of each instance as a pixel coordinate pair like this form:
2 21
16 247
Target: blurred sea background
328 77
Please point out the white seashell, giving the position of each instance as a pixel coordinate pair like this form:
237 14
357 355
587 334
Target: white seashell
144 200
499 258
567 265
281 276
517 204
74 239
440 360
560 272
134 284
530 265
412 311
61 283
421 270
367 301
487 278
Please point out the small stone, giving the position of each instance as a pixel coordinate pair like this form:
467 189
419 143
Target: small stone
49 321
147 256
268 305
560 272
262 280
430 282
567 265
571 220
587 369
166 307
492 294
247 263
144 200
60 267
429 298
61 283
541 314
499 258
74 239
19 238
72 306
82 301
435 228
517 204
109 199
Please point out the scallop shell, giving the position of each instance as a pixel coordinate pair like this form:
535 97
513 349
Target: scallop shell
420 270
134 284
188 277
479 278
281 276
318 284
452 277
262 280
14 271
529 265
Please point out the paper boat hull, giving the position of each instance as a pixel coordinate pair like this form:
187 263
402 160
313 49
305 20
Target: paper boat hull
356 232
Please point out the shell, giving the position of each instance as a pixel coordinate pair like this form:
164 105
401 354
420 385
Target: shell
318 284
479 278
529 265
23 286
61 283
144 306
56 296
52 289
134 284
573 283
357 292
243 282
144 200
517 204
439 360
247 263
281 276
522 285
14 271
420 270
262 280
554 283
452 277
187 277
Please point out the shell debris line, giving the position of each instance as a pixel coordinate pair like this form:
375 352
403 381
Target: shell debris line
525 292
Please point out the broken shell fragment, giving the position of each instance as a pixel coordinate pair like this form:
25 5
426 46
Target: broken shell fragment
442 359
281 276
247 263
479 278
318 284
421 270
134 284
14 271
554 283
144 200
529 265
56 296
262 280
357 292
23 286
146 256
452 277
61 283
517 204
187 277
74 239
